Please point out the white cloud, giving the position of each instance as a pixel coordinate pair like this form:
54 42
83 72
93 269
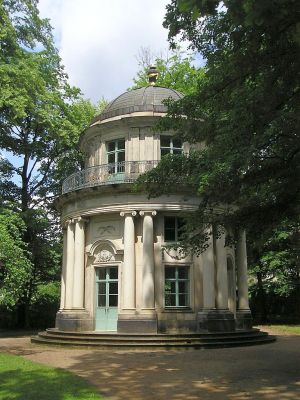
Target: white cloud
98 40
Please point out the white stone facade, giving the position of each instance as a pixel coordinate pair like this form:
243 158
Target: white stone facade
117 274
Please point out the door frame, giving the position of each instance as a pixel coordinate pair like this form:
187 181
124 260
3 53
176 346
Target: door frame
106 265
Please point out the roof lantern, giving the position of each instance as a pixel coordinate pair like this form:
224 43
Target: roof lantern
152 75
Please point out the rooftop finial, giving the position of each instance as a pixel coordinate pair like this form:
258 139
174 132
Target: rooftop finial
152 75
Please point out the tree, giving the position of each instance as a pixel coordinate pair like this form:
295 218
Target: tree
275 274
246 110
15 264
41 118
176 71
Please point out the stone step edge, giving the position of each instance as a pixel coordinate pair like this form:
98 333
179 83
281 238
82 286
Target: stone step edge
152 339
56 332
214 344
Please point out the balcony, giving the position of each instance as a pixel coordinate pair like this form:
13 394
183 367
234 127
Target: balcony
107 174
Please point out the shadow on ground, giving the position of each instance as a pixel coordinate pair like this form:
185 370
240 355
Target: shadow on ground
266 372
259 372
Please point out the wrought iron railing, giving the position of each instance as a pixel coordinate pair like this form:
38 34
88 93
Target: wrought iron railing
107 174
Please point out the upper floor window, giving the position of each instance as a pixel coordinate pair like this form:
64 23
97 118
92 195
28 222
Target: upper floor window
170 145
116 155
173 227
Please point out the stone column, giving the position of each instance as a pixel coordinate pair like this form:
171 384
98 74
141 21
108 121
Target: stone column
221 273
78 279
148 301
242 276
63 271
209 294
128 284
243 314
69 264
74 317
221 319
207 316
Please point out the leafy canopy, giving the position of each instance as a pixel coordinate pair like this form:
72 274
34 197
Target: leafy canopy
41 118
15 264
246 111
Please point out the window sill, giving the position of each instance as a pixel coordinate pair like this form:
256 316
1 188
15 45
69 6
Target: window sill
176 309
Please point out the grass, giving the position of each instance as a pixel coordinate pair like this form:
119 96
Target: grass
21 379
285 329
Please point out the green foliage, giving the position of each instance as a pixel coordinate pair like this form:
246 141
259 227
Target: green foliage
278 262
246 111
44 304
15 267
176 71
41 119
23 379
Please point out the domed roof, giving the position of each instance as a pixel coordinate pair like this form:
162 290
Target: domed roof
147 98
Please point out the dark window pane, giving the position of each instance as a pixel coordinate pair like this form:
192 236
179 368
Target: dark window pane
111 146
113 273
182 273
177 151
101 273
170 228
167 287
167 300
121 144
101 288
170 222
111 158
180 228
170 235
164 141
170 300
121 156
111 168
173 287
101 300
170 273
113 300
177 143
164 152
182 287
183 300
113 288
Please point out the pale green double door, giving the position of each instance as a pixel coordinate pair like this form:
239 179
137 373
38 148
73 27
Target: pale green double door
106 298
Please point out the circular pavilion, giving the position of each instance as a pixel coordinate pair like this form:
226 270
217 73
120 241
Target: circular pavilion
118 276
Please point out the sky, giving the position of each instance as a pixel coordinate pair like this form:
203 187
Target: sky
99 40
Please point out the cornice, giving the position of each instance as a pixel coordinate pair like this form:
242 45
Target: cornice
125 208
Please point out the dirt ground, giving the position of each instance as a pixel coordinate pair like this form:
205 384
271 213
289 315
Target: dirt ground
270 371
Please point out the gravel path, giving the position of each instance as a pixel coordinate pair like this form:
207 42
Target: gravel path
270 371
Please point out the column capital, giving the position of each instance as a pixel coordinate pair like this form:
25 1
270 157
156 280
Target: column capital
130 213
68 222
80 220
147 212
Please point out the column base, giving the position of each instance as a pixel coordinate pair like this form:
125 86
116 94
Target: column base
129 323
215 321
244 320
74 320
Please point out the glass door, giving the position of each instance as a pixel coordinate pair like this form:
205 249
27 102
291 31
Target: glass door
106 298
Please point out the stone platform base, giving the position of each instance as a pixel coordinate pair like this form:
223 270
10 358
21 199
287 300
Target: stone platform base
137 324
244 319
74 321
153 341
216 321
